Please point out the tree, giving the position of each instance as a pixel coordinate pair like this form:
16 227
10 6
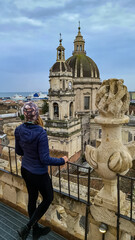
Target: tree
45 106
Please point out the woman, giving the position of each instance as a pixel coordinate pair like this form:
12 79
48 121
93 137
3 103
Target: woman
32 144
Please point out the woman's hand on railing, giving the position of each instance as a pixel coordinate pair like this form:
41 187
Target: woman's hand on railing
20 158
65 158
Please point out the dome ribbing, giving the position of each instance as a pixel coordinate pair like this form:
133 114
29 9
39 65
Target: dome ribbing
83 66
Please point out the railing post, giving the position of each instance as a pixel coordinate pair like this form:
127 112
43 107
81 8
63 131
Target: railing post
118 206
16 164
131 205
87 206
59 180
78 182
9 154
68 179
51 172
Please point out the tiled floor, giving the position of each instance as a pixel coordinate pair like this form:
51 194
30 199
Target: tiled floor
11 220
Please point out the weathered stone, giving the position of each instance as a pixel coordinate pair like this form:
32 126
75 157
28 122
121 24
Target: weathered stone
9 154
9 128
127 226
102 214
70 204
94 233
68 214
111 156
125 236
59 221
21 198
82 223
112 99
6 178
48 214
1 190
18 183
9 193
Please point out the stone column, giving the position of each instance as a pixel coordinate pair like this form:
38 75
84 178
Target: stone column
9 129
111 157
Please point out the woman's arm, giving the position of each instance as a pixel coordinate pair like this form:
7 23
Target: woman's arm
18 148
43 150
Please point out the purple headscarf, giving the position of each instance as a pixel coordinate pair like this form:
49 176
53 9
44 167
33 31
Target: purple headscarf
30 111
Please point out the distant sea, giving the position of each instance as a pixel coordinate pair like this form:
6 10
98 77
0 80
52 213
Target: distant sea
11 94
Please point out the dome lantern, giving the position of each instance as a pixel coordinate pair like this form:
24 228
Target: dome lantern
79 43
60 51
82 66
60 66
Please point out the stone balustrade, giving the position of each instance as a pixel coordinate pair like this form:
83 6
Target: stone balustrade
66 213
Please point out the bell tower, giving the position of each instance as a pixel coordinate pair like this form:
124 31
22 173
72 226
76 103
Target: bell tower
61 93
60 51
64 129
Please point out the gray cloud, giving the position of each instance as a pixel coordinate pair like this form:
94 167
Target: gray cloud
29 34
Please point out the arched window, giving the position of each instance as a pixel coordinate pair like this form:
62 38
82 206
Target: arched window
59 54
85 146
56 110
129 136
71 109
63 84
86 102
80 47
77 48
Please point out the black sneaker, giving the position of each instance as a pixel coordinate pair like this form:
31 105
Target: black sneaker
40 231
23 232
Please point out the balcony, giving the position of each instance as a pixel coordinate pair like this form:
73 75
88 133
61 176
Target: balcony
73 207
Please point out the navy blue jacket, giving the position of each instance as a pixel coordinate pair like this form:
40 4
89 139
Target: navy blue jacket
31 142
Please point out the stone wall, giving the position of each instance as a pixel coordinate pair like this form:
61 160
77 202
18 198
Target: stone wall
66 214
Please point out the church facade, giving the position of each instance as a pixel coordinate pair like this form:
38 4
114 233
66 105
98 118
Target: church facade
73 86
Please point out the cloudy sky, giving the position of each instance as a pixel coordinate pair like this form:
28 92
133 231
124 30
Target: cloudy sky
29 36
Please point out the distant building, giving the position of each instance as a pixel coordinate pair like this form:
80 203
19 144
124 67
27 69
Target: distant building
3 140
73 86
8 106
9 115
132 96
132 104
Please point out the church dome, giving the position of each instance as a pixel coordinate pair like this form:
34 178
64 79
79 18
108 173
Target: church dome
83 66
60 67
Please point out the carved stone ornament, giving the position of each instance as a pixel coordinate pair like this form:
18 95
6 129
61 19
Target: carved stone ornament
112 99
111 157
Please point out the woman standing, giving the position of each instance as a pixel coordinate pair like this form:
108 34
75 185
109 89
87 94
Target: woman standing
31 143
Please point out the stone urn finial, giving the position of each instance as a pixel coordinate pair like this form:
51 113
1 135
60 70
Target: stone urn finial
112 99
111 157
9 129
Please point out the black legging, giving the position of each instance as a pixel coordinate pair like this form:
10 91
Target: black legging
35 184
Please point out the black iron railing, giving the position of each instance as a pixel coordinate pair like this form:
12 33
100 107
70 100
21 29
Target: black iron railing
13 169
11 158
70 195
131 199
77 166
